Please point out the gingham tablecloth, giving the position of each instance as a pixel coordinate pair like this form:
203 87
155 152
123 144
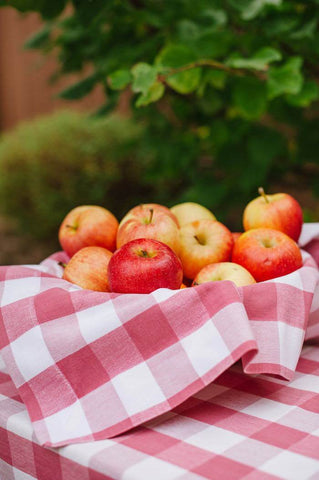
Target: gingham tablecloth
90 365
239 427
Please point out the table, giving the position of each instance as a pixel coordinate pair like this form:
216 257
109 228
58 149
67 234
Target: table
239 427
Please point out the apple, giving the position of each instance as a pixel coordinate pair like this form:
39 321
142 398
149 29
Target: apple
203 242
267 253
224 271
144 265
279 211
236 235
88 268
88 225
189 212
145 222
146 207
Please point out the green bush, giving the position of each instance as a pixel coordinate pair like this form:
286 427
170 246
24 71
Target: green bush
227 90
55 163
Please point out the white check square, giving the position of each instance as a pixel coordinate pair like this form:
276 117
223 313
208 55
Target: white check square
215 440
19 288
97 321
138 389
205 348
291 466
153 468
70 423
19 475
268 409
31 353
291 340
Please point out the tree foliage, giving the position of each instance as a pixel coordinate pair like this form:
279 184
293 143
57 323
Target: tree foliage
228 90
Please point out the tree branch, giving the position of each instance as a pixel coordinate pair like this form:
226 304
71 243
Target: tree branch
214 65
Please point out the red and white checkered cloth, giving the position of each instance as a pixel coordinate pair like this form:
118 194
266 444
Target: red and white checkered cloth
240 427
91 365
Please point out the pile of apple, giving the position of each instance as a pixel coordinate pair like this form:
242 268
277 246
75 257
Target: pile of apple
157 247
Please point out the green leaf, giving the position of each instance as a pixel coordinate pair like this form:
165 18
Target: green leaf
86 10
176 57
215 78
308 94
250 97
214 17
213 44
119 79
286 78
39 39
187 31
144 75
79 89
250 9
259 61
48 9
305 31
280 25
154 93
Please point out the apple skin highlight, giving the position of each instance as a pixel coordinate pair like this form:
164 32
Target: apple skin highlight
279 211
267 253
144 265
145 222
88 269
203 242
88 225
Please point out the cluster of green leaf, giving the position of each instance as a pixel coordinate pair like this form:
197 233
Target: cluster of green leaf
227 90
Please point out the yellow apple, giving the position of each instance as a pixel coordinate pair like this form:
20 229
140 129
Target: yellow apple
189 212
215 272
203 242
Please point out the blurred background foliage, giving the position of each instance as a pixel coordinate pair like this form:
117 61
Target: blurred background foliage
222 98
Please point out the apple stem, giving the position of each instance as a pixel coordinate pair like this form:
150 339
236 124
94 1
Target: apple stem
71 226
261 192
62 264
144 253
151 215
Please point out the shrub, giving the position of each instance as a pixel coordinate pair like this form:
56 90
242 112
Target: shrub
227 90
54 163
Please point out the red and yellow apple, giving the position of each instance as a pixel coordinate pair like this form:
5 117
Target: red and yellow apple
279 211
203 242
267 253
189 212
146 207
88 268
145 222
236 235
144 265
88 225
224 271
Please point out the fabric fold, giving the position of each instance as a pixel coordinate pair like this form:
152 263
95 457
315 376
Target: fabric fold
92 365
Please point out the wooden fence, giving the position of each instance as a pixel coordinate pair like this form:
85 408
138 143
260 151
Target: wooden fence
24 75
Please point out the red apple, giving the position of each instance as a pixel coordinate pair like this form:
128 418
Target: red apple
267 253
145 222
236 235
146 207
88 269
88 225
144 265
203 242
224 271
189 212
279 211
